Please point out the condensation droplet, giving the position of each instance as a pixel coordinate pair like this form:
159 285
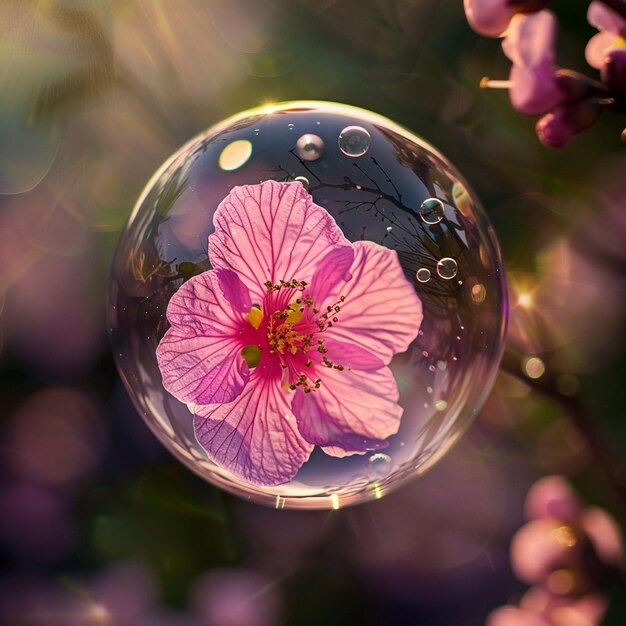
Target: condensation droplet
303 181
310 147
354 141
447 268
389 229
441 405
290 126
378 466
235 154
423 274
431 211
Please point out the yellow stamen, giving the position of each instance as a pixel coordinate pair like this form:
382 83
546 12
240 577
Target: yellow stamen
295 316
251 355
255 316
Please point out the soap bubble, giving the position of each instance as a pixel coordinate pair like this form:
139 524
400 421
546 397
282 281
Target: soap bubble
446 372
447 268
354 141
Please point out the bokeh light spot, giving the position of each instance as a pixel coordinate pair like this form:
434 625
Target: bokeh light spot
534 367
479 293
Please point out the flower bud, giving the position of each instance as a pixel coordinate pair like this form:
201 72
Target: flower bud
491 17
552 497
557 128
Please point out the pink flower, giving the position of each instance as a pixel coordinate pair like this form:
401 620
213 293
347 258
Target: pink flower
529 44
612 35
569 552
539 608
560 611
552 497
285 343
492 17
237 597
564 550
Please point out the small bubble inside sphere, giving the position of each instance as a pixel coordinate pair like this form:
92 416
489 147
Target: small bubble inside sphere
363 218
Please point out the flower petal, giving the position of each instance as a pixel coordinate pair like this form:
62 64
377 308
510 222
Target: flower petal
597 46
509 615
535 89
587 610
530 39
604 532
491 17
332 269
234 291
488 17
271 231
351 356
604 18
352 410
552 497
255 437
200 355
381 312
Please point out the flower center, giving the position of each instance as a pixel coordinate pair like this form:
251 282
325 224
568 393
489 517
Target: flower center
282 335
291 332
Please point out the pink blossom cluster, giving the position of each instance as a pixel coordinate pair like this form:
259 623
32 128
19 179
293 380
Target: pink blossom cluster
568 102
568 552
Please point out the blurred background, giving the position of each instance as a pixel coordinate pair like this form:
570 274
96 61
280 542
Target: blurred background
99 524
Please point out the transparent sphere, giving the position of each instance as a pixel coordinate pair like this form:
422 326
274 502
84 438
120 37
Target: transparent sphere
379 183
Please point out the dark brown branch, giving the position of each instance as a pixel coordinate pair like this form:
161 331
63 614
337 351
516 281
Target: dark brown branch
603 456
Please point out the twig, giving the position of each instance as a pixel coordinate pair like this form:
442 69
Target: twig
603 456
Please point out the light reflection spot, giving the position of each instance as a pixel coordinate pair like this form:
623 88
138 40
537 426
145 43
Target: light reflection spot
235 155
